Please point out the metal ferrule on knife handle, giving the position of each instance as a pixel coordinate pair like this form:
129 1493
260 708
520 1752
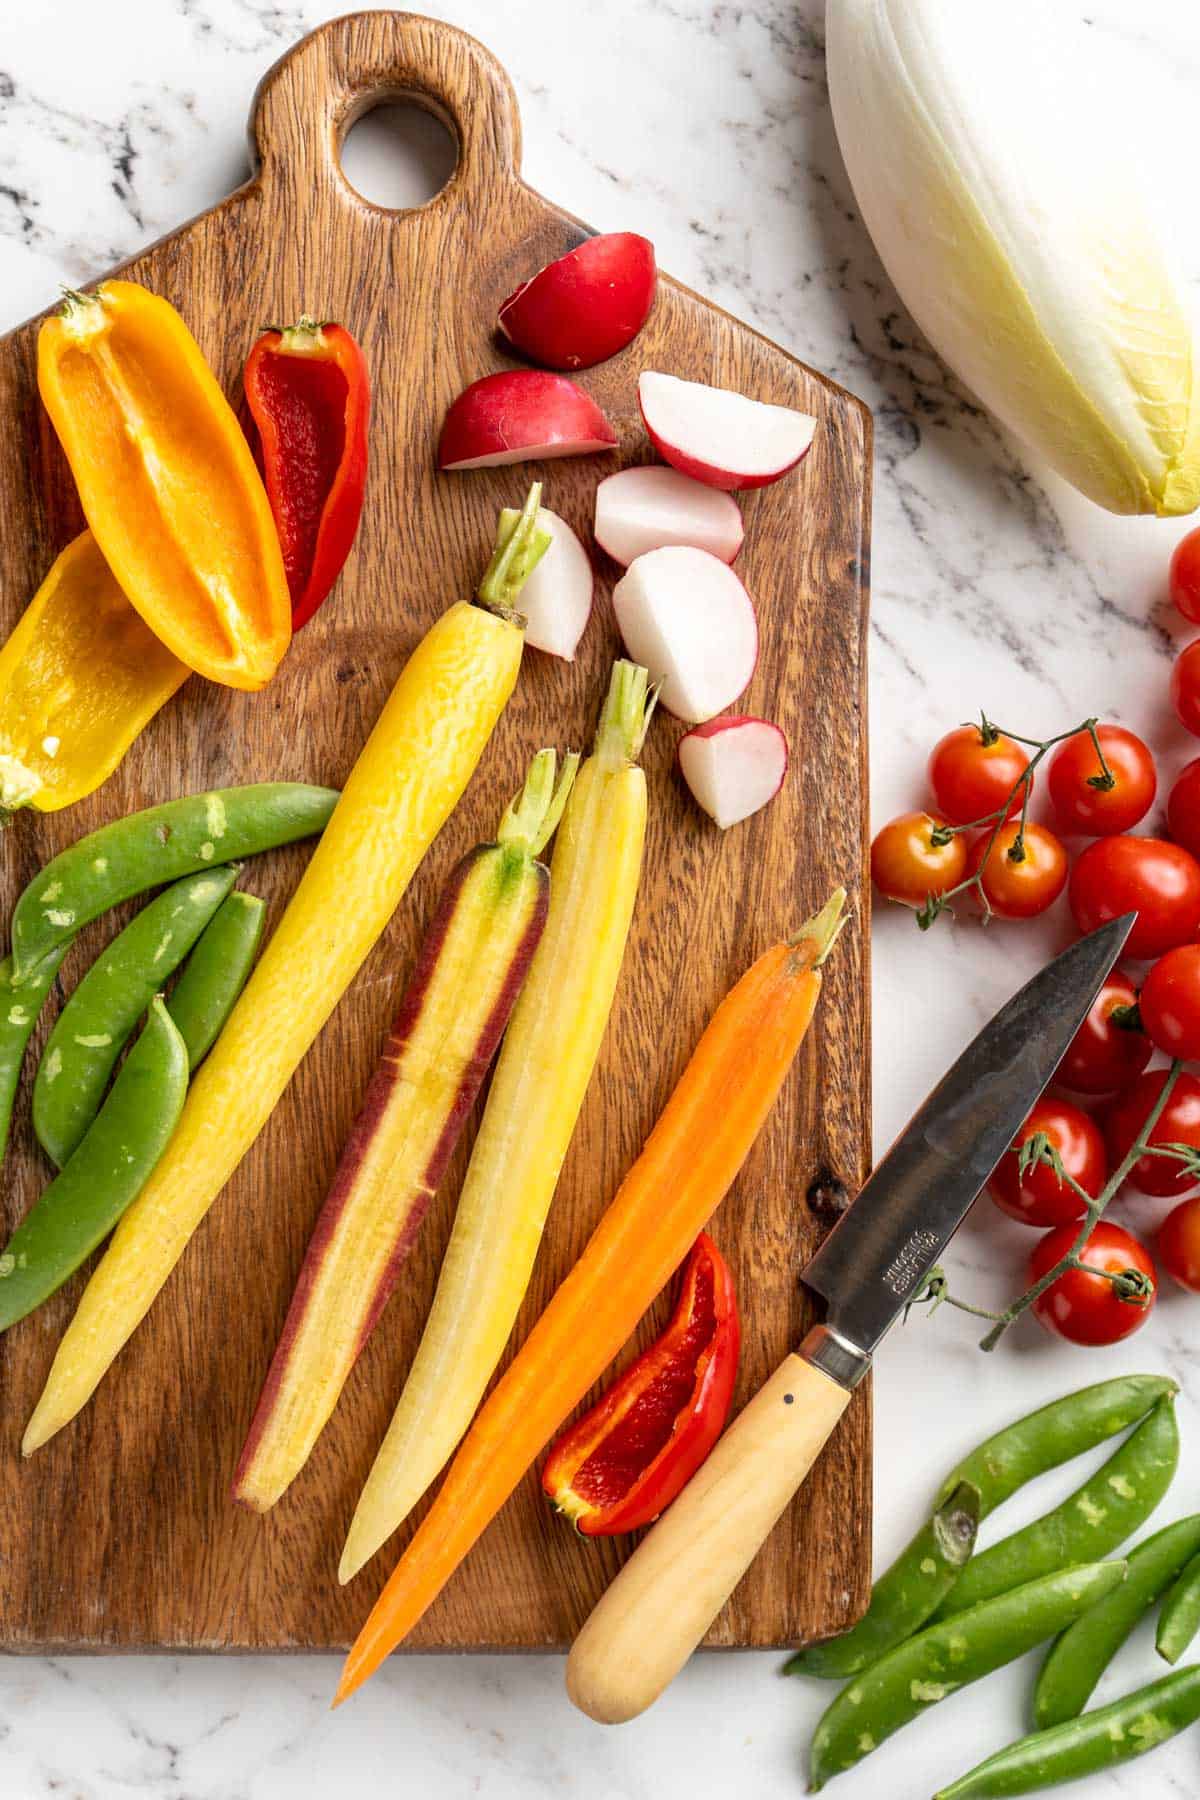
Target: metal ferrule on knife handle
835 1356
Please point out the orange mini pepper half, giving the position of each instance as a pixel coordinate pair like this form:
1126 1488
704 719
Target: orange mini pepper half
636 1450
308 400
167 481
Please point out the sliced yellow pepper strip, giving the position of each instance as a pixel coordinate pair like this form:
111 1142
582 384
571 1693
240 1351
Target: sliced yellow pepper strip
80 677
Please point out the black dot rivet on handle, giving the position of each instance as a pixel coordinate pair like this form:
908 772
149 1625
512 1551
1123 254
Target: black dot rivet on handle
788 1398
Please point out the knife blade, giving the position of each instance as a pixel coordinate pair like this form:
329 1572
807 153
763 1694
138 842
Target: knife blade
652 1617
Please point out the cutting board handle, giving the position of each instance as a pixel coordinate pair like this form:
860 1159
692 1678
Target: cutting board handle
307 101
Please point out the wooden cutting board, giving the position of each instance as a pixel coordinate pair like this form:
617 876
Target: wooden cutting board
120 1534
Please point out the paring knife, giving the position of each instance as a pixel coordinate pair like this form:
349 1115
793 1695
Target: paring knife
868 1270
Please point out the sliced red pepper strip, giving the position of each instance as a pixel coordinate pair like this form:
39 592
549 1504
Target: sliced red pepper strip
307 408
636 1449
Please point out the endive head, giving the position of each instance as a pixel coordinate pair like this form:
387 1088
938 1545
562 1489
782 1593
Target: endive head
993 179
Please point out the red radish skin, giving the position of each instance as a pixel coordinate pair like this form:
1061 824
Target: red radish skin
734 766
645 509
721 437
586 306
686 617
557 598
521 415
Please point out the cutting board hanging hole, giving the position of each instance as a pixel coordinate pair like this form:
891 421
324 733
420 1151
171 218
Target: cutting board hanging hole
398 155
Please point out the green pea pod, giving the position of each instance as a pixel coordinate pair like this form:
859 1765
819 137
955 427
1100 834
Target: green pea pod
1098 1516
96 1022
109 1169
943 1658
903 1599
216 971
1179 1619
1083 1652
1031 1446
1089 1745
159 845
19 1009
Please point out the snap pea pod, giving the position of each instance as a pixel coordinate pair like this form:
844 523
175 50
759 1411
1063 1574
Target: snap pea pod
159 845
83 1203
902 1599
943 1658
1101 1514
1179 1620
1089 1745
215 973
1029 1447
1083 1652
19 1009
95 1024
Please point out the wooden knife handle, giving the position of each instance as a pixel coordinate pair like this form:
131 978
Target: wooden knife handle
645 1627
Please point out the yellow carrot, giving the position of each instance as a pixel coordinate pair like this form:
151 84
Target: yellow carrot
406 782
537 1090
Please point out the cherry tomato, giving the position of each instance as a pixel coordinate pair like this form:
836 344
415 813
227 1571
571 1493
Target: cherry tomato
1038 1197
1021 889
1085 1308
1100 811
971 778
1105 1056
1185 687
1179 1244
1184 578
1183 807
1157 880
1178 1124
906 866
1170 1003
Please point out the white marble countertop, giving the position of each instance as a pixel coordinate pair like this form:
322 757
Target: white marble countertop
992 586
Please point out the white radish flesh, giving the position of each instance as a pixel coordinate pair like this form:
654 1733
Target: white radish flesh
644 509
733 766
557 597
686 617
721 437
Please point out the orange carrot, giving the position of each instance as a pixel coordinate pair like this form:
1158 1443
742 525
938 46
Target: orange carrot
688 1164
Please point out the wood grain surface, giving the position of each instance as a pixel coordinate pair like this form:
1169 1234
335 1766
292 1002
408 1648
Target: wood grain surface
120 1534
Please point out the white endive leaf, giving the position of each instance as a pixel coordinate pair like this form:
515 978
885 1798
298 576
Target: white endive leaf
988 165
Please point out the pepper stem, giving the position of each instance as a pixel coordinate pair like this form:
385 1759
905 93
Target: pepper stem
533 815
82 314
628 709
302 338
824 927
519 549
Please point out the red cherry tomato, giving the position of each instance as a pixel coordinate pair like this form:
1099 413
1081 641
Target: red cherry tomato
1185 687
1038 1197
972 779
1075 770
1178 1124
1179 1244
1183 807
1105 1056
1170 1003
1157 880
1086 1308
1184 579
906 866
1020 889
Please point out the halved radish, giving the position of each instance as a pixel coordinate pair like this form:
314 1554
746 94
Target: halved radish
685 615
643 509
587 305
521 415
557 597
733 765
719 437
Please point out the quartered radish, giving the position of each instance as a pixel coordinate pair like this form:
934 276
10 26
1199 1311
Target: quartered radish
643 509
722 438
733 766
521 415
685 615
587 305
557 598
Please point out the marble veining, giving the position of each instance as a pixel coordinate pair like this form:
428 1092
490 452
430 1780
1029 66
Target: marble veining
704 123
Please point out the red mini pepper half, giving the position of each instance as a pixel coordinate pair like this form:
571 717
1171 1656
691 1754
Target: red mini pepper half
625 1461
308 401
